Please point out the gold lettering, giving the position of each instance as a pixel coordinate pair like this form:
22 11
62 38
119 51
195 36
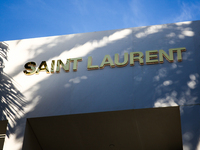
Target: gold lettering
118 64
169 57
178 50
89 65
42 67
139 58
75 65
52 66
30 66
66 66
107 61
151 58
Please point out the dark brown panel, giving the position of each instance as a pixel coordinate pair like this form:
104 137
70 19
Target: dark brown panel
141 129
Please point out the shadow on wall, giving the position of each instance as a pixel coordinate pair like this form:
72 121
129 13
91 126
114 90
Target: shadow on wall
174 84
12 101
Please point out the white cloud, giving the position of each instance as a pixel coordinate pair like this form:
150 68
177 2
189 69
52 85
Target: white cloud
188 11
81 6
134 14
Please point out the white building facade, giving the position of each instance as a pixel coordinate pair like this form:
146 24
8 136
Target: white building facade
109 71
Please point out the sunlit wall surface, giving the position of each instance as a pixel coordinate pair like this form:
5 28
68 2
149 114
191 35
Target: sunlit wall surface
108 89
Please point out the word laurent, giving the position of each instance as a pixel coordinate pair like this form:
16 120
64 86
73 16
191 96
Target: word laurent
150 56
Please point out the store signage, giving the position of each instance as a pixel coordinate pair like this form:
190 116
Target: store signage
151 57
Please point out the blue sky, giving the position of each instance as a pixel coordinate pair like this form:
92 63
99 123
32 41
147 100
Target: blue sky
22 19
